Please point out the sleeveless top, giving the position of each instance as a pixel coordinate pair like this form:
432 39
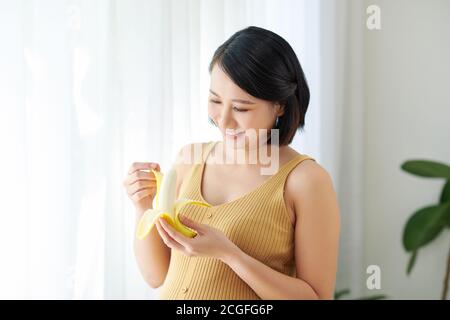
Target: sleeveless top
257 222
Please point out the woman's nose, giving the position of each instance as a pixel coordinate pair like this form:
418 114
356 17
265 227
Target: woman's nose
226 119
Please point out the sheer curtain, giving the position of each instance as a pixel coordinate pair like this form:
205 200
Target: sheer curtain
88 87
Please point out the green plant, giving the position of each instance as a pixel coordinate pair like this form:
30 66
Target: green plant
424 225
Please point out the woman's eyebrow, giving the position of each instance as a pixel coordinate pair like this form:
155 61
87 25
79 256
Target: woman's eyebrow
234 100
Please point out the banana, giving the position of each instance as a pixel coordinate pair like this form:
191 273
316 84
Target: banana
166 207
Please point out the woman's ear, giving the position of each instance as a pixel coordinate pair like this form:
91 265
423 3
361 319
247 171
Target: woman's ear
279 109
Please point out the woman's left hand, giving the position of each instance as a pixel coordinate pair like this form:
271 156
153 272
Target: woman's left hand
209 241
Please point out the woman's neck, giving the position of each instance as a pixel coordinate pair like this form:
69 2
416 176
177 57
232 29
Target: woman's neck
250 156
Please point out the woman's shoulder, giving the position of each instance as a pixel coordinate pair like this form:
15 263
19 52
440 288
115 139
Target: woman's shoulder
200 145
188 156
307 177
307 172
185 157
190 152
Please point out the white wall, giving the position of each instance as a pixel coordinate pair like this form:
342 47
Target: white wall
407 115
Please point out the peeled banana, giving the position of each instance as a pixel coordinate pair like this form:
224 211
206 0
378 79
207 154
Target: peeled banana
166 207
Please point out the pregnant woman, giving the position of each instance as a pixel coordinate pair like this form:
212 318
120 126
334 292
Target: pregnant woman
263 236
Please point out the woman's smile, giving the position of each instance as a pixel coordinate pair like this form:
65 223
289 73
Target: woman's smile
234 134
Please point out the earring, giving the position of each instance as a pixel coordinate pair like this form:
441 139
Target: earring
277 122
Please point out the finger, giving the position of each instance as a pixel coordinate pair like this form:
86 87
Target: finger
192 224
138 176
163 234
174 234
150 191
140 185
171 243
138 196
143 166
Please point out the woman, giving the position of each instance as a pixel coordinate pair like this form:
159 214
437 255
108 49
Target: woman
264 237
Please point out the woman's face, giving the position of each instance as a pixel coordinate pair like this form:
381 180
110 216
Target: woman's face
238 115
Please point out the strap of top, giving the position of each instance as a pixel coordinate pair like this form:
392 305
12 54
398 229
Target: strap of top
207 149
290 165
194 170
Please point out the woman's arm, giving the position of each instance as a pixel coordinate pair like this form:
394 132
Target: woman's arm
268 283
152 255
316 242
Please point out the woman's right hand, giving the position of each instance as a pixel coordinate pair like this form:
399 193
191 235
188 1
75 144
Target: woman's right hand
141 185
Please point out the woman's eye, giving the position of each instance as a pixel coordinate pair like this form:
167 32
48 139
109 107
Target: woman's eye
239 110
236 109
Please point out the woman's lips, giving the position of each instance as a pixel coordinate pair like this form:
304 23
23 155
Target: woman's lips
234 133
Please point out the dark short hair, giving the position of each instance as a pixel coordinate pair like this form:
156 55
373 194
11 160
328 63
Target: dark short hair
264 65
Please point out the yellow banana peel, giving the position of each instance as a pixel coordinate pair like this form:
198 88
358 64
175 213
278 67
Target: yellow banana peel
166 207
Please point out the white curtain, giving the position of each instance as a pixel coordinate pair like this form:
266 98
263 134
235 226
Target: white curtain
89 86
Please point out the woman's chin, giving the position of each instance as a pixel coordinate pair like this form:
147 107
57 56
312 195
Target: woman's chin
235 142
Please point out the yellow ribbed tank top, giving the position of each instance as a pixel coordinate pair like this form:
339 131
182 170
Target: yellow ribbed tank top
257 222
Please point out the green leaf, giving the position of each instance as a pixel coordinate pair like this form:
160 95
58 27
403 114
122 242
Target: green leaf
412 261
445 195
339 294
424 225
427 168
447 219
